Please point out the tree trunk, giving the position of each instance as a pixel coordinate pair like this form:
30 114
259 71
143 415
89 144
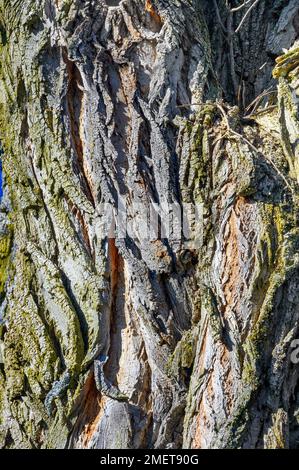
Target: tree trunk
120 340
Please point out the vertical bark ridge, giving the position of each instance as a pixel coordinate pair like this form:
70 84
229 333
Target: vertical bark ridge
137 99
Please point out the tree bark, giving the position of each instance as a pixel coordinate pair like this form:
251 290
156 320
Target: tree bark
128 342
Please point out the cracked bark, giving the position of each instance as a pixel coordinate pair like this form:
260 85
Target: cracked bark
148 99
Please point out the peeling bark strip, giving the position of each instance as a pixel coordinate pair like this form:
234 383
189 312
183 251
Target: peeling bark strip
146 343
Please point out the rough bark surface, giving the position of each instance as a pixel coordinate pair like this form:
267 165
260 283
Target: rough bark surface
126 343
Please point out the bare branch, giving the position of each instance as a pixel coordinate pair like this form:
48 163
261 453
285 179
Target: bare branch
240 6
230 33
253 147
255 102
218 16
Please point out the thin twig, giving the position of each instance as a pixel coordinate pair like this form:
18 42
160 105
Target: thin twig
240 6
218 16
256 101
253 114
246 14
268 159
224 115
230 33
